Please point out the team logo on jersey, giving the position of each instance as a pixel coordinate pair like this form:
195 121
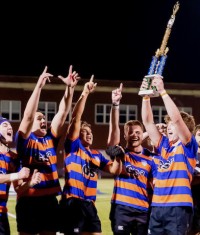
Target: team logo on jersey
43 157
166 165
134 171
87 170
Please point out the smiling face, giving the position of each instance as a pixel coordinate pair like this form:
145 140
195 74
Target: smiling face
86 136
6 131
171 132
133 135
39 125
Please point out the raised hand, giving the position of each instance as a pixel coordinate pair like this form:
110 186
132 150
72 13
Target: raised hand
117 95
90 86
158 83
44 77
72 78
144 85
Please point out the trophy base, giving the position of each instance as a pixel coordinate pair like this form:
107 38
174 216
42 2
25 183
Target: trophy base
153 75
150 93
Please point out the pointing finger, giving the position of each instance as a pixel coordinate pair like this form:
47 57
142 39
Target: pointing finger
91 79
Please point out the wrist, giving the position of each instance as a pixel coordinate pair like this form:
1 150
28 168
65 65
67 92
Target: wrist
146 98
115 106
14 176
84 93
163 93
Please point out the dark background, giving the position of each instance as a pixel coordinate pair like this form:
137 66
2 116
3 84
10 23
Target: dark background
108 39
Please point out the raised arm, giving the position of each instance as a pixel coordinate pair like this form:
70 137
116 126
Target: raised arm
183 132
74 128
32 105
66 102
147 117
114 130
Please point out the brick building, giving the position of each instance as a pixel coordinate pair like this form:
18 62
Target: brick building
16 90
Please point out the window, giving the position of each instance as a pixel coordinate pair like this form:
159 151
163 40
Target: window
11 109
69 116
186 109
159 112
126 113
48 109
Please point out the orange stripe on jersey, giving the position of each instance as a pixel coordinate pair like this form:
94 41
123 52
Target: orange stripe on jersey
76 183
51 176
172 182
173 198
130 186
75 167
192 162
90 191
130 200
32 143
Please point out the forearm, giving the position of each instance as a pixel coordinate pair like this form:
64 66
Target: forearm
147 114
80 105
63 110
114 130
32 103
170 106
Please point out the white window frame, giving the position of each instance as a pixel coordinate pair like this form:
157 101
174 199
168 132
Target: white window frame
10 110
46 111
161 108
106 115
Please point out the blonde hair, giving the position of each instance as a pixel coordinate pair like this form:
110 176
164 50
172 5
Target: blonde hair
133 123
187 118
85 124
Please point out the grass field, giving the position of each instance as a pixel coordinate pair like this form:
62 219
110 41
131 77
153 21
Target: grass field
105 187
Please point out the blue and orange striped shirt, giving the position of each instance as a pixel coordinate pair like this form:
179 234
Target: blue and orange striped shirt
9 163
175 171
81 170
40 153
131 187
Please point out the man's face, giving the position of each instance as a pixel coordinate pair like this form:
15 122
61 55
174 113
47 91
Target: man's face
197 137
39 125
6 131
86 136
172 133
133 136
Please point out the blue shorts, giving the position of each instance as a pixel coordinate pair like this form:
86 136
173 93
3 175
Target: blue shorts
170 220
126 220
36 214
78 216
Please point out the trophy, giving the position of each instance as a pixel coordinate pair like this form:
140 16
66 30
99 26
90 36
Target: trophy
159 60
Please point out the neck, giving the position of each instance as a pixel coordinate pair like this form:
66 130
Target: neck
136 150
3 148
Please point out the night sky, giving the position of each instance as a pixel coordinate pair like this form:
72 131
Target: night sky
108 39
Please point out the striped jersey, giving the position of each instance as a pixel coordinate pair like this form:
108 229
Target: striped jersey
131 187
175 171
40 153
81 170
9 163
